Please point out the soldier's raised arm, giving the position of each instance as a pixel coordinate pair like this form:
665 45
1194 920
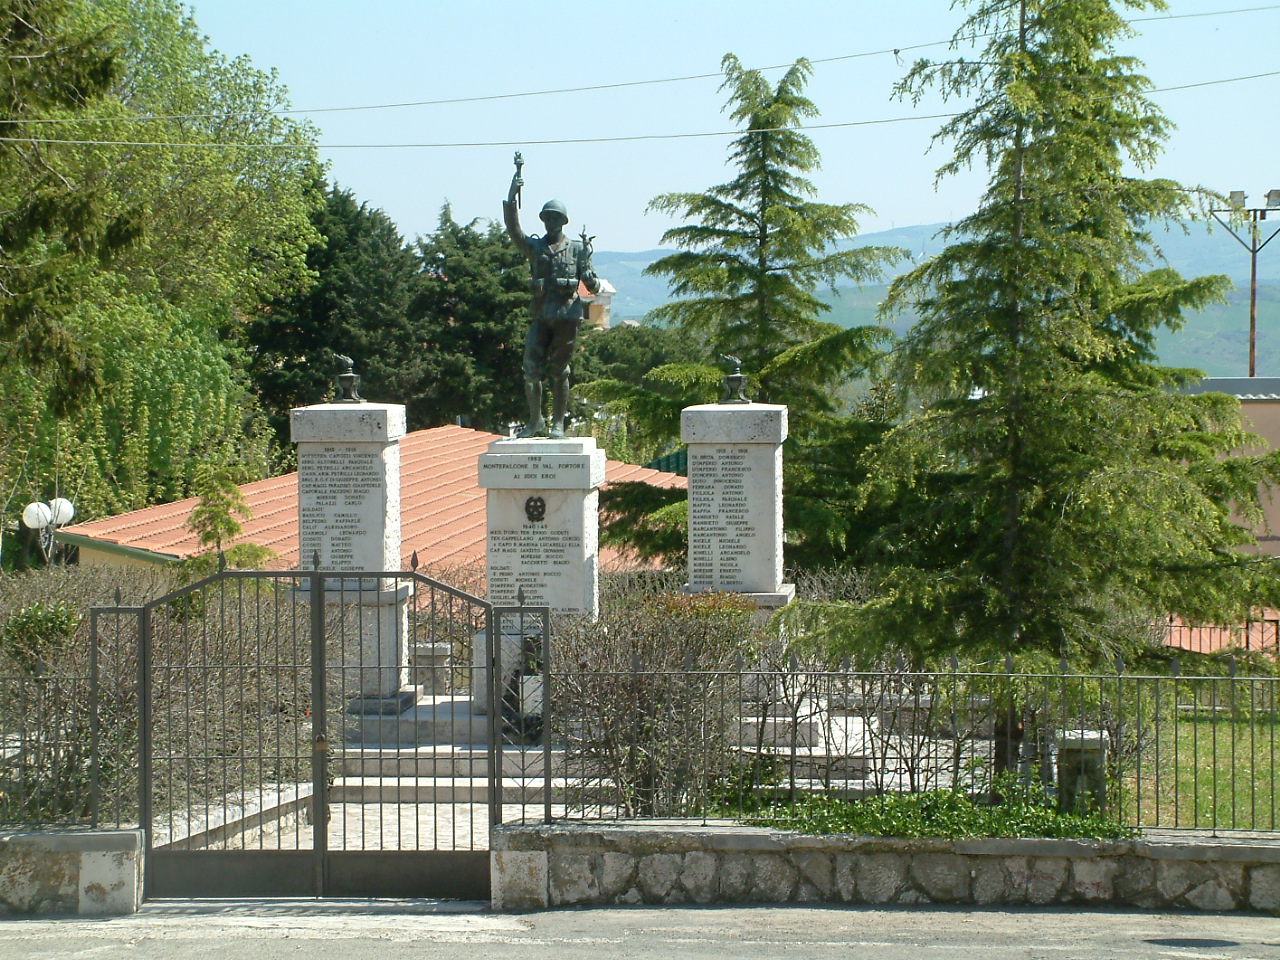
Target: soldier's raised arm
511 213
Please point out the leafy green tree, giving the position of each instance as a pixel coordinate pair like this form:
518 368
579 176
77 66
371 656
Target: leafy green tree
468 318
227 185
53 212
1055 488
125 265
753 252
357 307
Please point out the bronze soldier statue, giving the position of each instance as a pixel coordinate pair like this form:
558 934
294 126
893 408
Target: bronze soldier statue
557 264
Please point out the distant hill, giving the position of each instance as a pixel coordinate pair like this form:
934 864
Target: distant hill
1215 340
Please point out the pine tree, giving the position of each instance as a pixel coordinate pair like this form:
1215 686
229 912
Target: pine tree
1056 490
357 307
754 250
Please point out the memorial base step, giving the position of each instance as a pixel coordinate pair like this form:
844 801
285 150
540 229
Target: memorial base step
442 760
432 720
442 790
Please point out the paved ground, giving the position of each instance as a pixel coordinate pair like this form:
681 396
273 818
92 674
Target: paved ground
423 930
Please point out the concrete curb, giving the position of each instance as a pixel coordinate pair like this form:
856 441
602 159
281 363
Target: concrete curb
88 873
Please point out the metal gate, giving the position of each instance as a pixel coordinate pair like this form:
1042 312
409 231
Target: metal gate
283 750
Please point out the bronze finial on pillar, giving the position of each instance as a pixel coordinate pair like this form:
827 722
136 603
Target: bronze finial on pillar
735 382
348 381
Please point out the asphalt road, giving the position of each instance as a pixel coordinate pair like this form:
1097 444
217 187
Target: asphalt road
400 930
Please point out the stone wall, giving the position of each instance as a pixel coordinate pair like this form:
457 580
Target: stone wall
535 867
91 872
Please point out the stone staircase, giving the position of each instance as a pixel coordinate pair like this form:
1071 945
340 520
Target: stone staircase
438 752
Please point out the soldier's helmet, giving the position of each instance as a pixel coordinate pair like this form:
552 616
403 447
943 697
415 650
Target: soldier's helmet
553 206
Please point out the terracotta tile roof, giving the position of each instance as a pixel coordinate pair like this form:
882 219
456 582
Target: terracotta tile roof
1261 633
442 507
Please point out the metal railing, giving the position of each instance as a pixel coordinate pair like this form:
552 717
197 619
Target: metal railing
68 730
1152 751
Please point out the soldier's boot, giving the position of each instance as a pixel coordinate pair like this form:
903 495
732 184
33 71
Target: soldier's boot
559 406
536 426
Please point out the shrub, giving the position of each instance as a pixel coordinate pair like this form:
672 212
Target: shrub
1024 810
641 700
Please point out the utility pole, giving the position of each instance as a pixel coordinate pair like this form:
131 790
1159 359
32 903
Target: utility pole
1253 215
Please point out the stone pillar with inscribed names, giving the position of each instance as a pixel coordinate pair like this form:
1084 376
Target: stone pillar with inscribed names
542 508
349 515
735 499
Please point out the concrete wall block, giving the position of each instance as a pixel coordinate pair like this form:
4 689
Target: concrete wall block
990 880
573 877
699 876
1213 894
1093 879
774 878
846 881
34 880
1136 881
880 876
1048 877
1018 870
519 879
110 883
735 877
1177 877
817 868
1264 887
656 874
1222 890
942 877
617 875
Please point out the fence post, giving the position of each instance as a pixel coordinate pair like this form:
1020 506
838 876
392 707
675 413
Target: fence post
319 743
94 768
144 734
546 715
493 622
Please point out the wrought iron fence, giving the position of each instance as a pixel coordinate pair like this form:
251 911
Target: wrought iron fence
69 725
1153 751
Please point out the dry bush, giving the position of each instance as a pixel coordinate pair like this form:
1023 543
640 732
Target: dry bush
643 701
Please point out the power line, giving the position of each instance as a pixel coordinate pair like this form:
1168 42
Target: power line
1209 13
633 138
621 85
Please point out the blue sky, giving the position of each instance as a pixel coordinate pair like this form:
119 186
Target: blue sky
342 54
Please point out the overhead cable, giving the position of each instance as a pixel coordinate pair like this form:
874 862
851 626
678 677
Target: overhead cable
624 84
567 141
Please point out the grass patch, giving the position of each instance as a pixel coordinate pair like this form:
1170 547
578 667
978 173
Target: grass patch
1208 772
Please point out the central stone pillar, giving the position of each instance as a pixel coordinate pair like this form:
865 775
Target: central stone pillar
542 509
349 515
543 532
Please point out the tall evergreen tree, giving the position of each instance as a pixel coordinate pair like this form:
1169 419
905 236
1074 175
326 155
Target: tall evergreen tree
357 307
753 253
1059 487
754 250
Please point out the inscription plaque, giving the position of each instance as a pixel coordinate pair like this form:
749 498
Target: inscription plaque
722 535
341 492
